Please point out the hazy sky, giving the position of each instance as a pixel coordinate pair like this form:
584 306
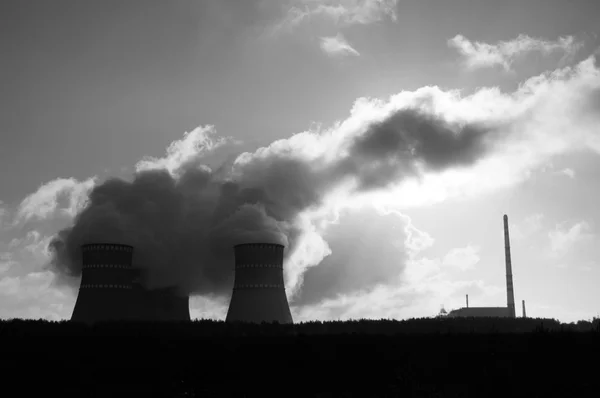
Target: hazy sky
90 88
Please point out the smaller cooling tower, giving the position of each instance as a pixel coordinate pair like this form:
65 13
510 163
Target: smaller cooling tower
105 292
259 290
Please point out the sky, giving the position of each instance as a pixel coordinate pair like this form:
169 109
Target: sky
99 89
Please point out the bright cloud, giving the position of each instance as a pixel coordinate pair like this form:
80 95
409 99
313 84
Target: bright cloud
528 227
534 120
481 55
568 172
46 201
562 240
2 212
185 152
337 46
397 302
340 12
33 296
6 264
463 258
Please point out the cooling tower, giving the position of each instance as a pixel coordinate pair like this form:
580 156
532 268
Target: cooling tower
510 295
259 291
105 292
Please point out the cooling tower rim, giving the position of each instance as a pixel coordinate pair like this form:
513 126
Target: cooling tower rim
259 244
92 246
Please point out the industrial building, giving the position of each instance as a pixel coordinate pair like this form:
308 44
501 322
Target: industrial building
259 290
503 312
111 290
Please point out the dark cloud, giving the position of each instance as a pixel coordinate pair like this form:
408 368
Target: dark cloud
184 221
394 147
367 250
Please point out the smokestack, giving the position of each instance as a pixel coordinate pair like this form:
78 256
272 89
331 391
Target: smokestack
524 313
467 301
510 296
105 292
259 291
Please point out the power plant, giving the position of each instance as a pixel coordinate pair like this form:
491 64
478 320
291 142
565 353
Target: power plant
259 290
111 290
504 312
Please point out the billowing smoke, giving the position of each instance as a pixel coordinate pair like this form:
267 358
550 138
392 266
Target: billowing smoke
183 218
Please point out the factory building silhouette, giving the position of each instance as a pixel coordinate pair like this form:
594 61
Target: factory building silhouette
112 290
503 312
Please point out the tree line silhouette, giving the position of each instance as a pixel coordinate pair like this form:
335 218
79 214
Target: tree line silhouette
415 357
202 328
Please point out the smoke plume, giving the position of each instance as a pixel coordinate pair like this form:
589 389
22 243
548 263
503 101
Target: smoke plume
183 218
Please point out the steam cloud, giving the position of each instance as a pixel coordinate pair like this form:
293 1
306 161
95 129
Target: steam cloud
183 218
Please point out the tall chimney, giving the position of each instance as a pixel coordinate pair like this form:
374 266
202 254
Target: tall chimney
524 313
467 301
259 291
510 295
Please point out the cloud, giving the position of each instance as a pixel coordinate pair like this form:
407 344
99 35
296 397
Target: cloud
528 227
63 195
2 212
185 152
366 249
415 287
339 12
417 148
504 53
568 172
208 308
6 265
399 301
33 296
463 258
562 240
337 46
36 245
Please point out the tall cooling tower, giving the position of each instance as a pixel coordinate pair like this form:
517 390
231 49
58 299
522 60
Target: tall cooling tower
259 291
105 292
